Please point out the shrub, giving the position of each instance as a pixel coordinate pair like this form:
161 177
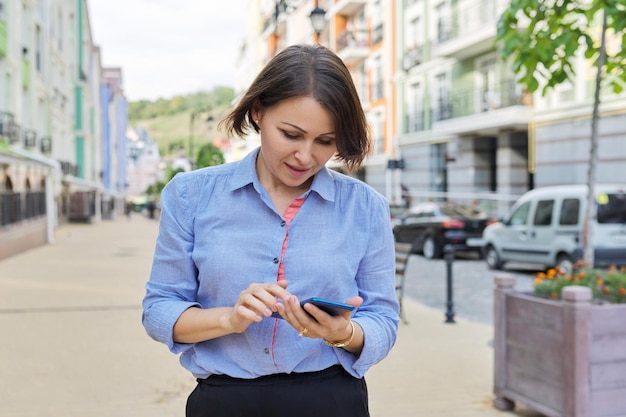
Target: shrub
607 285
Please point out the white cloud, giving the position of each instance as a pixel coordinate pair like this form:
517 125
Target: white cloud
169 47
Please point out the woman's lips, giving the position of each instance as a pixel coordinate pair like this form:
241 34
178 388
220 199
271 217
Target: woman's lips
298 172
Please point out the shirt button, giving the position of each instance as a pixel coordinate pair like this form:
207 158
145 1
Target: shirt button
266 351
275 260
283 223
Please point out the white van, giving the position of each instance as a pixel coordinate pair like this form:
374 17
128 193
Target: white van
545 227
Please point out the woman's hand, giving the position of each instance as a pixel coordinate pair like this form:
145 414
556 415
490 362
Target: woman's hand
253 304
311 321
256 302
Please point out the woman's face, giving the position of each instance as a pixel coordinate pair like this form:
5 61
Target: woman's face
297 139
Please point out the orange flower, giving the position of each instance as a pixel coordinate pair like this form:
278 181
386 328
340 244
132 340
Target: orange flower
622 290
541 275
554 295
551 273
579 264
538 281
606 290
581 275
599 282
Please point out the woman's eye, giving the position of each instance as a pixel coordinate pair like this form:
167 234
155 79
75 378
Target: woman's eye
290 135
325 142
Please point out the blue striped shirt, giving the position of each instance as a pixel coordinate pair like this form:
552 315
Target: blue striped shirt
219 232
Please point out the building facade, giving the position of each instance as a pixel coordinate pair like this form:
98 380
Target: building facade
52 167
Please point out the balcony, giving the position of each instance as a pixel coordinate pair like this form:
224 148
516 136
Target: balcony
483 111
30 138
6 119
347 7
413 57
469 31
353 47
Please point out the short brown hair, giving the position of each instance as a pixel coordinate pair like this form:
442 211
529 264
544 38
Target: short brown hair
313 71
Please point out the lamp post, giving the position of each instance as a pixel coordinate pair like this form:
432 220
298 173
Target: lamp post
318 21
192 118
317 16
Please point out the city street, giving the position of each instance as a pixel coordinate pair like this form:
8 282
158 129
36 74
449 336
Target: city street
74 345
426 282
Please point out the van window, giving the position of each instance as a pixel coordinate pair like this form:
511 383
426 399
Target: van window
543 213
612 208
570 210
520 215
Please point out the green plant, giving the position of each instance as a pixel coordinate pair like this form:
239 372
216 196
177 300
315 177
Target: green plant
607 285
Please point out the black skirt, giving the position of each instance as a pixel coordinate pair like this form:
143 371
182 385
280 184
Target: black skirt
327 393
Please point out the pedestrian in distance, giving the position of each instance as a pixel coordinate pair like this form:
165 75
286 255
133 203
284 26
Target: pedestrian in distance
242 245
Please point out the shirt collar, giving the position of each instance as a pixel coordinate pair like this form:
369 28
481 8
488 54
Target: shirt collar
323 183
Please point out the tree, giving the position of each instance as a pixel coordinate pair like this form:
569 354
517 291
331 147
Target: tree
542 38
209 155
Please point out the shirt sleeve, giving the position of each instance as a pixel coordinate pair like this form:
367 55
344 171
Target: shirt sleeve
378 316
173 284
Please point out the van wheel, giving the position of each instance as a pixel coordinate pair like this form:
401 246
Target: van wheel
492 258
564 263
430 248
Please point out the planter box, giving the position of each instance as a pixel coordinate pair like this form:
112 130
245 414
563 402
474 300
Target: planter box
560 358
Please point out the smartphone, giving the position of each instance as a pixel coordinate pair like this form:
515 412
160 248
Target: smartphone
334 308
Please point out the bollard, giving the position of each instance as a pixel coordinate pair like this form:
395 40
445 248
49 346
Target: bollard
449 256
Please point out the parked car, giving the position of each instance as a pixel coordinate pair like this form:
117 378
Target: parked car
432 225
545 227
396 213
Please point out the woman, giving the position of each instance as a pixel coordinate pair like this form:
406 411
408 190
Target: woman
241 244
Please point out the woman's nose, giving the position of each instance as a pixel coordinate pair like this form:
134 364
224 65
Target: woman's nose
304 153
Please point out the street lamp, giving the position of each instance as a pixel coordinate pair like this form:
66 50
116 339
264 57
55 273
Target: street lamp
317 16
318 21
192 118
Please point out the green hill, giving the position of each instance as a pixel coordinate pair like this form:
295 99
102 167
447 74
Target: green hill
168 121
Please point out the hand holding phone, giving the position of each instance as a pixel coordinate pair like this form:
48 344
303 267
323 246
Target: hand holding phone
334 308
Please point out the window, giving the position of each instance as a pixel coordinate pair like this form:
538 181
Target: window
570 210
612 208
520 215
543 213
415 119
377 87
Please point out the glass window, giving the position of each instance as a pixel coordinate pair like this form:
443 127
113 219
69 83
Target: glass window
612 208
570 210
520 215
543 214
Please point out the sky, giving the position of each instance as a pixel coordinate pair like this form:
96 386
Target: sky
169 47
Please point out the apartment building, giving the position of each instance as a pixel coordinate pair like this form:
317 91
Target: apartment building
464 120
51 123
448 118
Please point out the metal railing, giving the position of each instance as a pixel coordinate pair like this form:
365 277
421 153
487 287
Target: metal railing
16 207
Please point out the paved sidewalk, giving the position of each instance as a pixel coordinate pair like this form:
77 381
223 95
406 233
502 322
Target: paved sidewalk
73 344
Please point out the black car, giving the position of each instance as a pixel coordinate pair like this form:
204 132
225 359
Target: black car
430 226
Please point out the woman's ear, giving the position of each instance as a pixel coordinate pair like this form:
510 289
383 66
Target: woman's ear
255 112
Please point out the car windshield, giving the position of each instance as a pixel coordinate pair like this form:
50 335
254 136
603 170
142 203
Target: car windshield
611 208
455 211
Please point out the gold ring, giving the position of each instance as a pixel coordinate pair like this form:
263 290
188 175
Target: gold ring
303 332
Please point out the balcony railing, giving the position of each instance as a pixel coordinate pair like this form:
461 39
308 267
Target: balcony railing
467 19
352 38
413 57
465 103
475 101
